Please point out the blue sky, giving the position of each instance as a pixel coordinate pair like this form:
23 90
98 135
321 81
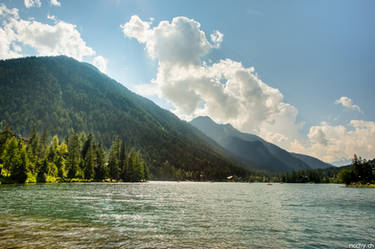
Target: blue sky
312 52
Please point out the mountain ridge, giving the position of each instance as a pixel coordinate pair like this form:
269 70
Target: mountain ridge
64 95
253 150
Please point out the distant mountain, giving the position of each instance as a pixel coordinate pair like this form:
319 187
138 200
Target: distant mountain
313 162
253 151
62 94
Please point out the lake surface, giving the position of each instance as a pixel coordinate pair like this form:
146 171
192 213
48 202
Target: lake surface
185 215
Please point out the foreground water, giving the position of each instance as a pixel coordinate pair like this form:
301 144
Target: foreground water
185 215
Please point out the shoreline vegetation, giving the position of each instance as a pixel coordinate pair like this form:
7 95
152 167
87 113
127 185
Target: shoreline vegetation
79 158
361 185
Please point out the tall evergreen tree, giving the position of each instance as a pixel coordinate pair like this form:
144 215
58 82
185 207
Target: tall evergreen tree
122 161
136 167
62 153
20 168
101 170
34 149
74 156
114 160
44 142
47 169
89 163
4 137
10 155
88 157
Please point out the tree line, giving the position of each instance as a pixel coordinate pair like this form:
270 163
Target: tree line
77 158
360 171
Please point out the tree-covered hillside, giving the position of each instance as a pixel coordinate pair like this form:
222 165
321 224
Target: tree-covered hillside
64 96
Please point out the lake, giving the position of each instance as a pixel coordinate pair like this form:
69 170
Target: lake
185 215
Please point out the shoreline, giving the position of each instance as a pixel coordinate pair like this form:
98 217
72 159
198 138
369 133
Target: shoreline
360 185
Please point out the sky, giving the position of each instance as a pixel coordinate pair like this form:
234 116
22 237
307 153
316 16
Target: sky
297 73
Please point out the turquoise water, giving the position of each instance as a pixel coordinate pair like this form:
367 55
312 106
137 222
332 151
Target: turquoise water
185 215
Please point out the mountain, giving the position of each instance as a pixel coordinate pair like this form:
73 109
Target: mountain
313 162
253 151
64 95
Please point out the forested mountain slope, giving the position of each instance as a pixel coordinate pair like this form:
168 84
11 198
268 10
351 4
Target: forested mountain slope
64 95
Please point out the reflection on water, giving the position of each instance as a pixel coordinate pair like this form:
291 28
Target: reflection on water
185 215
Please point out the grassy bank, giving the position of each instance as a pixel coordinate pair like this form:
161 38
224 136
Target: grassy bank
361 185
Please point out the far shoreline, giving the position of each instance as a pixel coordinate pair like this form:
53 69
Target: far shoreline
360 185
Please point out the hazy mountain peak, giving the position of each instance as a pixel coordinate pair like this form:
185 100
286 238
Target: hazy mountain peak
253 149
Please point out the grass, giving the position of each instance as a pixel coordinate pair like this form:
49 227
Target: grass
361 185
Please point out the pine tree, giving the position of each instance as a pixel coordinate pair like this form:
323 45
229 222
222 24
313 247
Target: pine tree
114 160
10 155
122 159
62 152
44 143
15 160
20 167
34 149
47 169
101 170
89 157
4 137
74 156
135 167
89 164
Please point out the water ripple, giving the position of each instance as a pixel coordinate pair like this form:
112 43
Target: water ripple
184 215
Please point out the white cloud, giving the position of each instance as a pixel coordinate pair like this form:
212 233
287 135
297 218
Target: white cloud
32 3
55 3
59 39
347 103
226 91
5 12
217 38
335 143
101 63
52 17
8 47
180 42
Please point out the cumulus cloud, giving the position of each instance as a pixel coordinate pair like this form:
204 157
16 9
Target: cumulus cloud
347 103
32 3
55 3
101 63
226 91
180 42
338 143
61 38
